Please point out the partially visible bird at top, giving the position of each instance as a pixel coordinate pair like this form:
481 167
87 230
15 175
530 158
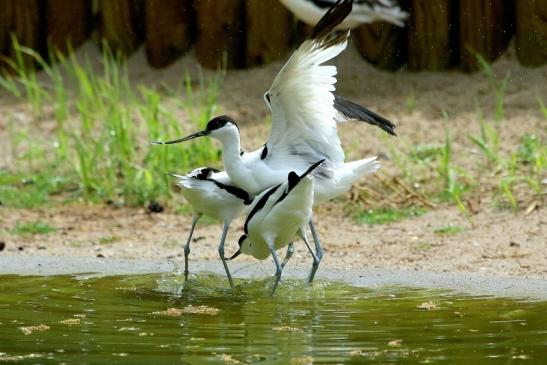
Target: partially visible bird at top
278 215
210 192
364 12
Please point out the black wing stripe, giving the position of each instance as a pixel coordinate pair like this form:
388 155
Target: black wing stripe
323 3
239 193
259 205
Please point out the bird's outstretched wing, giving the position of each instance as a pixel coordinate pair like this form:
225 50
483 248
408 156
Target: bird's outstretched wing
301 96
348 110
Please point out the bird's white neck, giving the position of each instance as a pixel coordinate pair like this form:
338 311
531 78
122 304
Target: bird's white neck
231 156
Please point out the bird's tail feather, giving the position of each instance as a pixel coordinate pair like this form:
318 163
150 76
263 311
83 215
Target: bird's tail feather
353 171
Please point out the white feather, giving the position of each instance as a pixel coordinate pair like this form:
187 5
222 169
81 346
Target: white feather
302 104
345 176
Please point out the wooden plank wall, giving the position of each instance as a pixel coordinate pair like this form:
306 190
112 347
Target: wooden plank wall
485 28
168 31
20 19
439 35
531 35
68 23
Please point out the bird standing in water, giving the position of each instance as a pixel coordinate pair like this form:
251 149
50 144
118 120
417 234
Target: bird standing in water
210 192
304 115
277 215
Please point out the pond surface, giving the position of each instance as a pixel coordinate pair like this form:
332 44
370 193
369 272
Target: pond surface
157 319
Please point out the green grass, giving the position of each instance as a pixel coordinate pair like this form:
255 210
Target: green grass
106 240
524 166
388 215
454 187
542 108
410 103
30 191
99 121
488 141
498 86
425 154
29 228
449 230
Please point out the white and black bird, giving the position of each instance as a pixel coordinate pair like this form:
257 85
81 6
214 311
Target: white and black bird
304 116
277 216
210 192
364 12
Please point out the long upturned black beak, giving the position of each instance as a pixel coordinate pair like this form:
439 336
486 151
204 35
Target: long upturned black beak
238 252
187 138
239 242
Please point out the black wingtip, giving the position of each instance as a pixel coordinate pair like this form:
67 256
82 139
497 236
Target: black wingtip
294 179
334 16
355 111
311 168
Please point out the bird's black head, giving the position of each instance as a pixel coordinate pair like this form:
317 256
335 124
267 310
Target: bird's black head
204 173
214 129
219 122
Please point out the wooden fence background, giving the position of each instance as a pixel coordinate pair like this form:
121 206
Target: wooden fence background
440 34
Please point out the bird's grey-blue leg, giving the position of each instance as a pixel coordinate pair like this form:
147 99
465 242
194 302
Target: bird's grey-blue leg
195 219
288 255
318 252
221 252
302 234
278 268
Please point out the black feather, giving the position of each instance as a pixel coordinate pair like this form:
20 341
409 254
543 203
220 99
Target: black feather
205 173
323 3
311 168
259 205
355 111
264 152
240 193
334 16
328 3
294 179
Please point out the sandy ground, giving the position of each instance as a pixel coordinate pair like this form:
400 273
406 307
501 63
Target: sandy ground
500 243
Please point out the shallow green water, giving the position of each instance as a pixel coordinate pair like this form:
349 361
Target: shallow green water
118 320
